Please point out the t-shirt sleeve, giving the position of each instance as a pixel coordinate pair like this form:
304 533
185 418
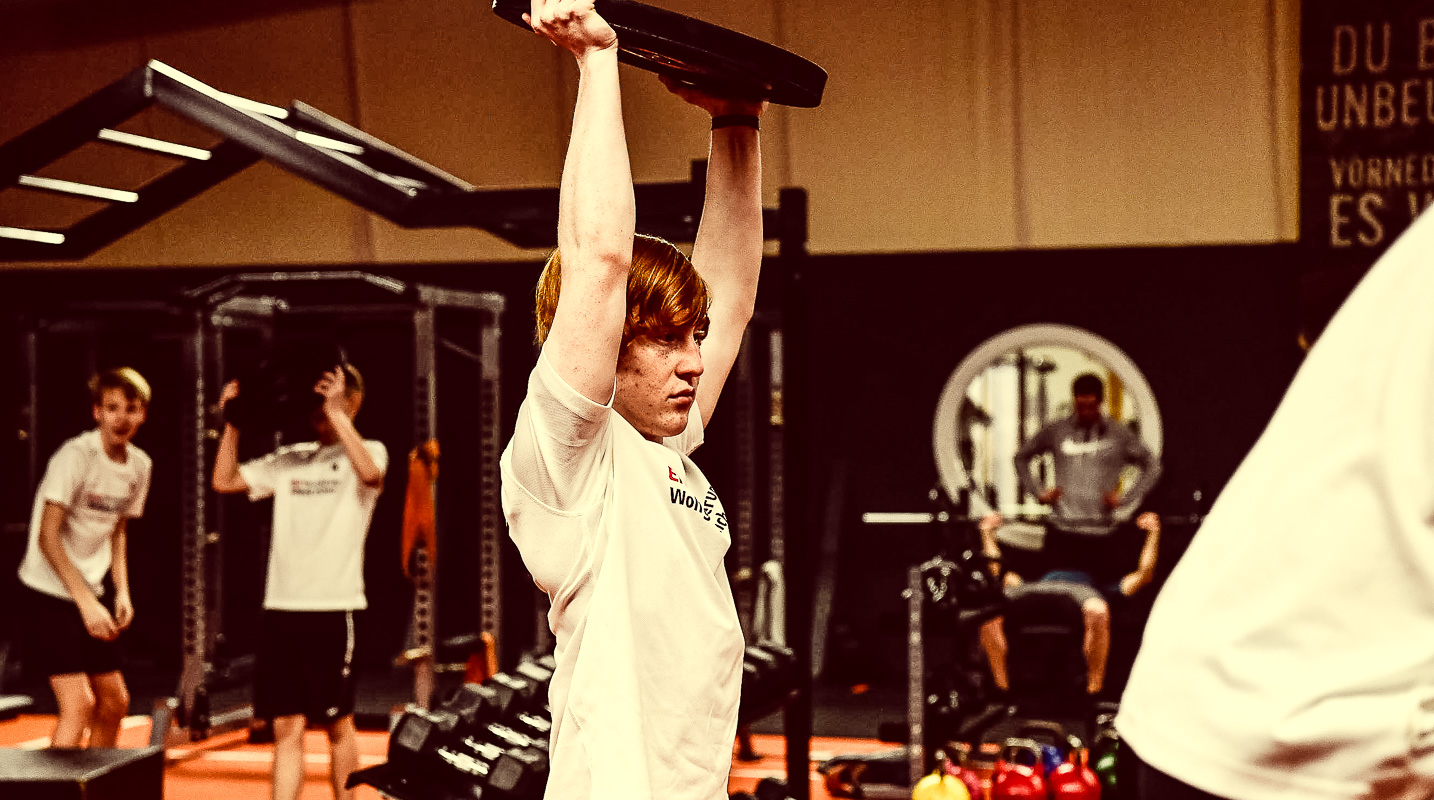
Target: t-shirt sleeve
141 491
262 475
379 454
63 476
560 441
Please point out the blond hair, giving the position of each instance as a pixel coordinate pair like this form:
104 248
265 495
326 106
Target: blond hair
127 380
664 291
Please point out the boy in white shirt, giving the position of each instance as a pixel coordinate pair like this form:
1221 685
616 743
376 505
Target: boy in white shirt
324 495
612 518
94 484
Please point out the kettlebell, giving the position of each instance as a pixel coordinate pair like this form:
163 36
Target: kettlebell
1074 780
1051 737
940 786
962 771
1018 772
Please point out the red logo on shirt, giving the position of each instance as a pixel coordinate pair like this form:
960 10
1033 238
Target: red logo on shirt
673 475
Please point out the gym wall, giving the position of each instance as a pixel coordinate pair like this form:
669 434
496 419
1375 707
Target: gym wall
990 124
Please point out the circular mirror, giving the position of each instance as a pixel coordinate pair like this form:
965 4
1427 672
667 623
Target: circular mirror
1007 390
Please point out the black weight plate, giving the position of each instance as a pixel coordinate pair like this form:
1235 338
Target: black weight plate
708 56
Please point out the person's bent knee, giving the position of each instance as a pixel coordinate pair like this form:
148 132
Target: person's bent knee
74 695
112 702
341 728
1096 611
289 727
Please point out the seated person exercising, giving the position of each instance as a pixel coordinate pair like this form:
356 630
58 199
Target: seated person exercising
1090 451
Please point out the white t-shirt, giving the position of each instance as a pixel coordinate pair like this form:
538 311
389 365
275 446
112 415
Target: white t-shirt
1291 653
321 517
627 538
96 493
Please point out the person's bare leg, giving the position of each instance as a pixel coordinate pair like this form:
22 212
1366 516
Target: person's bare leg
111 706
288 778
343 755
1097 642
76 701
993 640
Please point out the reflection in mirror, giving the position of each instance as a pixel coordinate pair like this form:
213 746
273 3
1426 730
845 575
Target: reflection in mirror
1011 387
1010 401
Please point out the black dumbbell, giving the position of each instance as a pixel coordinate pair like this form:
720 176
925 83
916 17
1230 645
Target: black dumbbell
475 705
771 789
418 736
533 726
515 693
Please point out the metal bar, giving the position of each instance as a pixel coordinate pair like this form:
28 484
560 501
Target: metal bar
391 159
28 235
152 145
915 676
77 189
490 511
238 282
745 520
776 448
458 349
491 302
31 413
797 719
278 143
193 617
425 578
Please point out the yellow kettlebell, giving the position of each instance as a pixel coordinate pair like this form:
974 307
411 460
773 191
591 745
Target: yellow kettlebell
938 786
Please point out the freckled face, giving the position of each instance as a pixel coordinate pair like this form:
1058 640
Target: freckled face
657 378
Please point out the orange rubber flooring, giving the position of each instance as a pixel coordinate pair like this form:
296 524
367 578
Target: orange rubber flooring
227 767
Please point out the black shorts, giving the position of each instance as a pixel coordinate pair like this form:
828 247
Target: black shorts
56 641
305 665
1094 560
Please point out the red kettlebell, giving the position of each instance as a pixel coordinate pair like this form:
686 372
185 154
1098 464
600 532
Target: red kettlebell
1018 772
959 769
1075 780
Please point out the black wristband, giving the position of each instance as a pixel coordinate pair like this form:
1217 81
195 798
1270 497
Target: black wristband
735 120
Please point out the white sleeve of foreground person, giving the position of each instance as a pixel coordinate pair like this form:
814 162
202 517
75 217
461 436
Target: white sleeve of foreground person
1289 653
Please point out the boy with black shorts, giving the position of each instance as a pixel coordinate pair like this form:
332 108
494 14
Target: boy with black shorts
94 484
324 494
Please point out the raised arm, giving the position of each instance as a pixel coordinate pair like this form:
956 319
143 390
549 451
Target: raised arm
226 478
332 387
596 211
728 250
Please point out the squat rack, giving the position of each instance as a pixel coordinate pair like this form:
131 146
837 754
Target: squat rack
404 189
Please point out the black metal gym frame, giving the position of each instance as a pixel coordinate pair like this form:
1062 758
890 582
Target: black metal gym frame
253 301
301 139
387 181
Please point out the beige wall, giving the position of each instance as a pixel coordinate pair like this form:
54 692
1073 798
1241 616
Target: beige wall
984 124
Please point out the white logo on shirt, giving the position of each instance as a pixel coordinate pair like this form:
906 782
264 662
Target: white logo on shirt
103 502
1071 447
299 486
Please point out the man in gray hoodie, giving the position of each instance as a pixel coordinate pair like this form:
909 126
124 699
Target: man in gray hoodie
1089 451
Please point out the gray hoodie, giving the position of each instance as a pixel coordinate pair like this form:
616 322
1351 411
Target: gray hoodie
1088 462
